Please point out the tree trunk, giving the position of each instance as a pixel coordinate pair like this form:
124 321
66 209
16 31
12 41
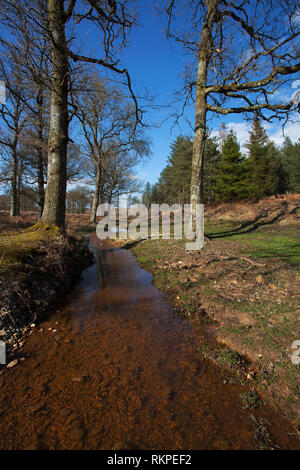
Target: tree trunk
14 183
40 178
109 199
201 109
40 162
19 185
54 207
96 198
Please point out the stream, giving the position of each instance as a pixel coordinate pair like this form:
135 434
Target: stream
115 368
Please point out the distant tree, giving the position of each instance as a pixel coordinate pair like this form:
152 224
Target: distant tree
260 149
134 200
78 200
147 195
118 175
231 182
179 169
174 180
267 172
278 175
291 160
157 194
211 169
14 118
223 132
173 185
108 125
4 202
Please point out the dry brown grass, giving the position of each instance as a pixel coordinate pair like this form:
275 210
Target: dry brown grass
244 211
12 224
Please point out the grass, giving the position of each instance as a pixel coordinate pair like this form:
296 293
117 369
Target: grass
267 242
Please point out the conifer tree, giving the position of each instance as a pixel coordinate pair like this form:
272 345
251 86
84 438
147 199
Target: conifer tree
231 183
291 160
211 169
259 148
267 170
146 198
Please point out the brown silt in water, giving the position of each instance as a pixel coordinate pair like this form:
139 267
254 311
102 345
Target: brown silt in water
121 372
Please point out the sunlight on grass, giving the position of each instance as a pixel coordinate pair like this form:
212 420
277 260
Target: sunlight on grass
15 247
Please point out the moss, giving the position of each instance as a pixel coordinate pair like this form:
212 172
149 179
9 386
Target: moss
16 248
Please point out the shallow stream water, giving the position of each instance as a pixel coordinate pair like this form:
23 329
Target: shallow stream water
114 368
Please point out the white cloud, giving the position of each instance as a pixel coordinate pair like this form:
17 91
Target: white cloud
274 131
240 128
296 84
291 130
80 182
141 176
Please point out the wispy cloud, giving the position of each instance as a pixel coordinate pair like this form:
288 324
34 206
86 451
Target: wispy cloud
274 131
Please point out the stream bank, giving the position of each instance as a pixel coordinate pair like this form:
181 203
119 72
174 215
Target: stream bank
38 266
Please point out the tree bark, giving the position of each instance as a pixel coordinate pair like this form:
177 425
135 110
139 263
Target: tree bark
20 171
97 192
40 162
54 207
201 109
14 176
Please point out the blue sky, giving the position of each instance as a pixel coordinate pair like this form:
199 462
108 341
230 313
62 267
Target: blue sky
157 64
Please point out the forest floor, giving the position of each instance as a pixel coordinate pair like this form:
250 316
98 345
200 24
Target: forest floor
242 291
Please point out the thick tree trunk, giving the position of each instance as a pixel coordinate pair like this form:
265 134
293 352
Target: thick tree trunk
201 109
40 162
54 206
40 178
14 181
97 192
199 139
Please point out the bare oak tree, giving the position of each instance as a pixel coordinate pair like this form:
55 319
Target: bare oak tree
14 119
246 50
109 129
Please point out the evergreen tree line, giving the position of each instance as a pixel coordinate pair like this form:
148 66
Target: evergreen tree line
228 174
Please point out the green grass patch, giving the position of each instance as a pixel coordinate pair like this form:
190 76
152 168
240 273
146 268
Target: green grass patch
270 242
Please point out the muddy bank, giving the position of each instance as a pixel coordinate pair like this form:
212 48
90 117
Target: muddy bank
31 288
115 368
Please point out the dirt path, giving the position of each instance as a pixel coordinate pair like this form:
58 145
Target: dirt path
120 372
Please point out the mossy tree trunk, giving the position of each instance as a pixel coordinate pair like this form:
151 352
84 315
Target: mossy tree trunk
54 206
